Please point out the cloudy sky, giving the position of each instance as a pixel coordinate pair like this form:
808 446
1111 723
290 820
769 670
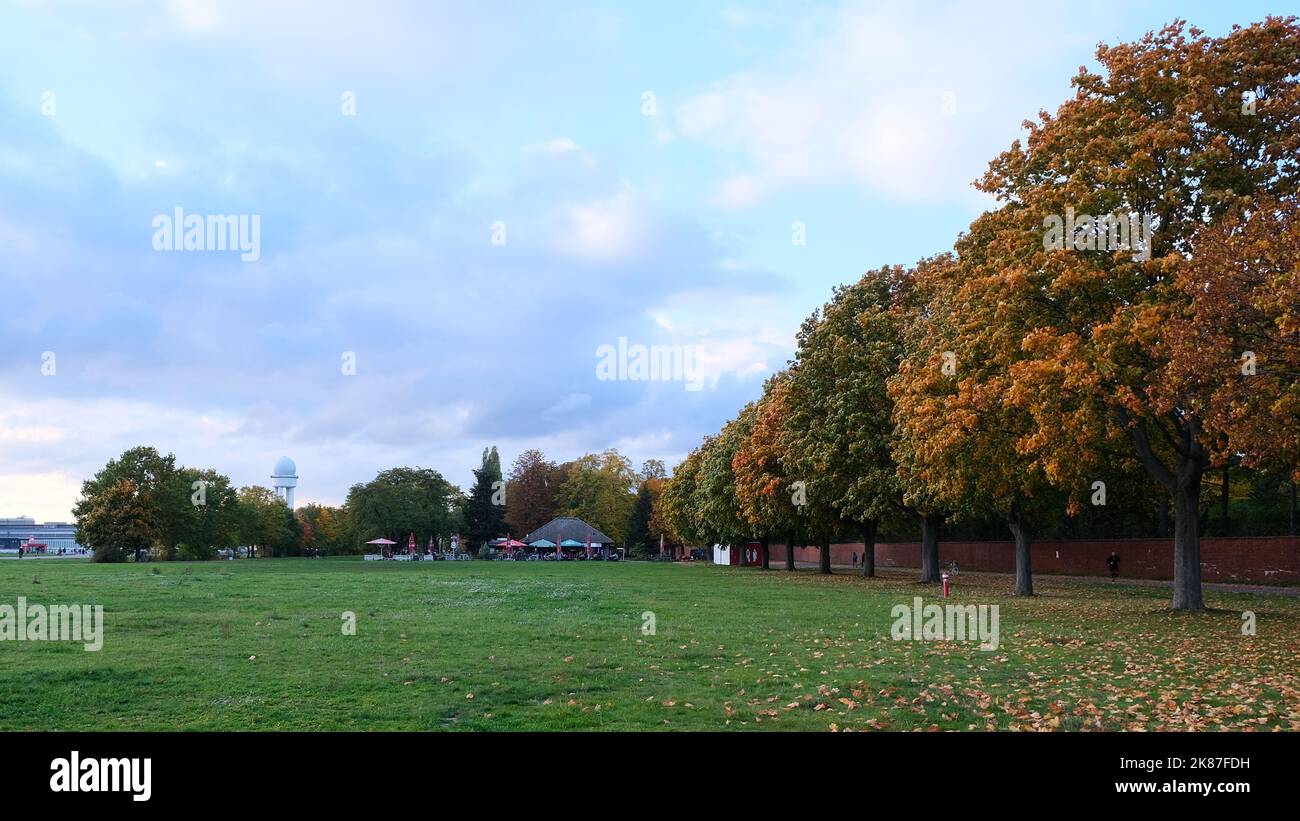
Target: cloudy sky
471 198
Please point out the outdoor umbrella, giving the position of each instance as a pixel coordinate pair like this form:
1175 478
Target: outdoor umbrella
547 543
570 543
508 544
383 542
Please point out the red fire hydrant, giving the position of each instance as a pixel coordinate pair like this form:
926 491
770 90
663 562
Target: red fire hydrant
944 577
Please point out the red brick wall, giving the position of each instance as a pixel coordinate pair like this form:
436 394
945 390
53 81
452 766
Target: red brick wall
1255 560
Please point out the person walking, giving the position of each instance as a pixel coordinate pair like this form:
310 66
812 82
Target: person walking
855 558
1113 563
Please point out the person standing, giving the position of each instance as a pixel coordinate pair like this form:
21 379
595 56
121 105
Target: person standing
1113 563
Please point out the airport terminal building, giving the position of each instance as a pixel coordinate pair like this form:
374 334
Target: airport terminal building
14 532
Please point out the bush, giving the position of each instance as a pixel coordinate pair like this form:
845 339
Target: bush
196 553
109 554
485 553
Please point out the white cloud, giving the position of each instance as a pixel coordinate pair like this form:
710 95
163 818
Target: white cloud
559 145
740 190
45 497
30 433
862 100
80 436
604 230
748 340
193 15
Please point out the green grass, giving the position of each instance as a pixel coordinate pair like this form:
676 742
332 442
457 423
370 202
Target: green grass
258 645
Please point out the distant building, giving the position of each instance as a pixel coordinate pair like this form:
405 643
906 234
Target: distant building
15 532
284 478
569 532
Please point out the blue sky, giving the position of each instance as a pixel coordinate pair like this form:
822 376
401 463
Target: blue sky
669 225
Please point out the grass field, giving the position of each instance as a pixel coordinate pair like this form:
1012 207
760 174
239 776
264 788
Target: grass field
258 645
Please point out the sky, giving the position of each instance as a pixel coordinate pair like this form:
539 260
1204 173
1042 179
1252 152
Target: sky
460 204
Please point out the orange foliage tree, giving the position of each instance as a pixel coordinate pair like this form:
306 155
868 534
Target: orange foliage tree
1180 130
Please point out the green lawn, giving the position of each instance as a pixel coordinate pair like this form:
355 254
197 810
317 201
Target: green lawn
258 645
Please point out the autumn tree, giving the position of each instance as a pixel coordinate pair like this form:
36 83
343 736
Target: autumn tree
805 458
678 499
600 489
652 469
839 429
956 435
1178 130
158 487
866 320
660 529
1238 341
762 488
646 526
117 521
192 511
717 510
325 528
531 490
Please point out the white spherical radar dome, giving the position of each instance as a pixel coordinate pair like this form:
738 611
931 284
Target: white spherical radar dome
284 479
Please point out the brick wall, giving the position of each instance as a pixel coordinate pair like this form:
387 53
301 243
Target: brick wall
1254 560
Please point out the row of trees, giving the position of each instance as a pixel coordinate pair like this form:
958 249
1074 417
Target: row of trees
1014 379
602 489
143 501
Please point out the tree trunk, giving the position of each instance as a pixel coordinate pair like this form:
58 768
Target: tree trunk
1187 543
824 560
766 545
1183 482
1024 575
930 548
789 551
869 547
